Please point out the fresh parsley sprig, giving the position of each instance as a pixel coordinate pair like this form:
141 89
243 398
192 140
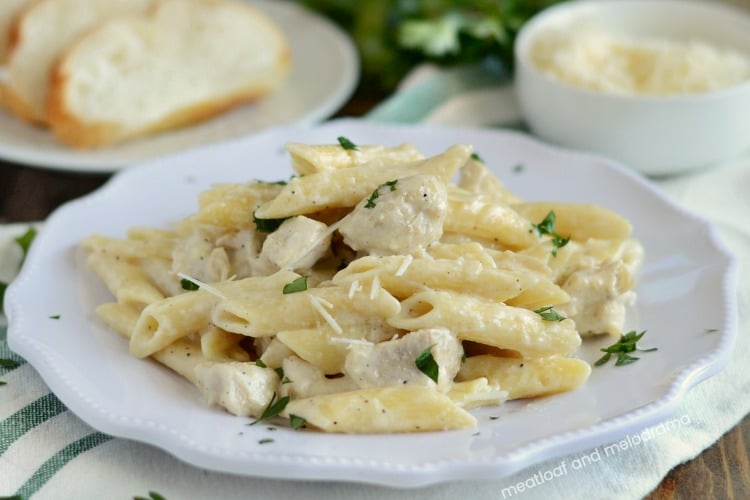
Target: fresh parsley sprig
152 495
267 225
547 227
426 364
188 285
274 408
298 285
297 422
549 314
622 348
376 193
347 144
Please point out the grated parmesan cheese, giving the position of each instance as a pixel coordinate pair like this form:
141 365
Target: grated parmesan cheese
354 288
586 56
375 287
404 265
318 304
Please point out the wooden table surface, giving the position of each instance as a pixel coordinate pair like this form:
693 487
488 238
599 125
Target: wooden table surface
722 471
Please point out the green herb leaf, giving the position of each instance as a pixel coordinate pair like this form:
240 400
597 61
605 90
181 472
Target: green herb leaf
55 316
259 362
518 168
371 200
549 314
277 183
427 364
376 193
3 383
711 330
188 285
265 441
347 144
152 495
267 225
279 371
622 348
547 227
9 363
274 408
296 422
298 285
476 157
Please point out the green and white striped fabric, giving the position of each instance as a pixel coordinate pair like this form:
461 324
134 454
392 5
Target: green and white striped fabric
46 452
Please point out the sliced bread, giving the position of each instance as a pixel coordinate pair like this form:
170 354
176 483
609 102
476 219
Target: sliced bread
41 33
9 10
185 62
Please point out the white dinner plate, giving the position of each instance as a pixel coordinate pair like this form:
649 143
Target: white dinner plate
325 71
686 303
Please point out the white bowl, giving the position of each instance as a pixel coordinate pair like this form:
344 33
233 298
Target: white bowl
655 135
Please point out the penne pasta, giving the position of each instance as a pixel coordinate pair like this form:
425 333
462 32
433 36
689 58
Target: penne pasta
371 293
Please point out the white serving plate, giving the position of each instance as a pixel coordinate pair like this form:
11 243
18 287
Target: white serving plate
687 287
325 70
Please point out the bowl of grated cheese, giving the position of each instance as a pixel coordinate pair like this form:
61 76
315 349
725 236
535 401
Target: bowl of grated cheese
660 85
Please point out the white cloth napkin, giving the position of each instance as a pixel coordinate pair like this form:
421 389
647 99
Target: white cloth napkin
46 452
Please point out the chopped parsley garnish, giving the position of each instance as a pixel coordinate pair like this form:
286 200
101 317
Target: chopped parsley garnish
9 363
476 157
517 169
298 285
547 226
711 330
427 364
265 441
549 314
56 316
277 183
347 144
152 495
186 284
274 408
296 422
279 371
259 362
622 348
285 380
376 194
3 383
371 200
267 225
391 184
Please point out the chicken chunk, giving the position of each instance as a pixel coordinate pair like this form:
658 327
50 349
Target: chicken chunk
297 244
243 389
598 298
400 217
394 362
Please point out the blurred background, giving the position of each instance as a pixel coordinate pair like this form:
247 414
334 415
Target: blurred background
394 36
